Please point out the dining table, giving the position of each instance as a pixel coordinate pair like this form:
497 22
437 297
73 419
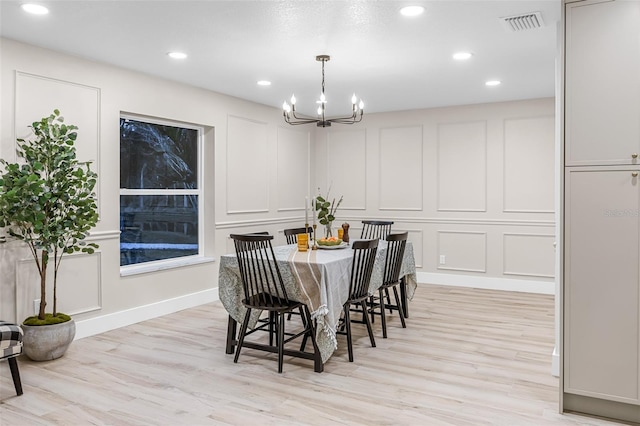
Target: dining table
318 278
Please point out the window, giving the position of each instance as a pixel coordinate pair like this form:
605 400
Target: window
160 190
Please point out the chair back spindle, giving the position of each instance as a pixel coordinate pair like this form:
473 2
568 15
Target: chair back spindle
261 279
372 229
292 234
364 257
395 253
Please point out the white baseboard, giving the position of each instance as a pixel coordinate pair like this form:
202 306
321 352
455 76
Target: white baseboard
555 362
506 284
101 324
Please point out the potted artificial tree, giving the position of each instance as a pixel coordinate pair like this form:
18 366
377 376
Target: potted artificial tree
47 201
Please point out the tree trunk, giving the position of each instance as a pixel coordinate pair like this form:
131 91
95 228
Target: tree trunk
43 284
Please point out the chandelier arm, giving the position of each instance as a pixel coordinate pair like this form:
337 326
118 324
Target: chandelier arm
301 121
295 123
311 120
298 120
346 120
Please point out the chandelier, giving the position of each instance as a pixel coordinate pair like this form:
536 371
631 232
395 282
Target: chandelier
289 111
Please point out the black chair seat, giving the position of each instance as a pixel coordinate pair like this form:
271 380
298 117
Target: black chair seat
262 301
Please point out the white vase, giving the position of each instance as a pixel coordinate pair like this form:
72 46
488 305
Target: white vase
328 231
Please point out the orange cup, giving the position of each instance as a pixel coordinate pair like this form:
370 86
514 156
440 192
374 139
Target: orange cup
303 242
340 233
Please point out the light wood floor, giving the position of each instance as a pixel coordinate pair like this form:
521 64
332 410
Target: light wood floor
468 357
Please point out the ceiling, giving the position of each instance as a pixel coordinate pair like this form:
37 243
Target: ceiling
392 62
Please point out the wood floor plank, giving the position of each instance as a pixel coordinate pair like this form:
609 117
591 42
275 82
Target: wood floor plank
467 357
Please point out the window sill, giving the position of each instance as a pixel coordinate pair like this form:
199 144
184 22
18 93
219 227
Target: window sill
144 268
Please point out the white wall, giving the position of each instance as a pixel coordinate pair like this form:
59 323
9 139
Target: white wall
472 183
256 177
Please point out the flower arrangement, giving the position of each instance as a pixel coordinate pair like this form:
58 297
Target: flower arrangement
326 210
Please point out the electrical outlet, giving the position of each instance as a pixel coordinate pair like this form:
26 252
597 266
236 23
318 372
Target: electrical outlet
443 259
36 306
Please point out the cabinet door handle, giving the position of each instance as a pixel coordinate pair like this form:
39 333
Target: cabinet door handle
634 155
634 174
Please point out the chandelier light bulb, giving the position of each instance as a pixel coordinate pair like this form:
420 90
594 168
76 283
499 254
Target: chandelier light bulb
293 99
354 99
284 105
322 98
319 110
361 105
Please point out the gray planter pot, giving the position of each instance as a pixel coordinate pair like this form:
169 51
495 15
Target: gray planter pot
47 342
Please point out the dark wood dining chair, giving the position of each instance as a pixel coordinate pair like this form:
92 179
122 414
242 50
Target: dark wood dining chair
396 244
375 229
292 234
264 290
364 257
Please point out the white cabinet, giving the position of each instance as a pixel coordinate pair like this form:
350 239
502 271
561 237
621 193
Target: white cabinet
601 219
602 272
602 82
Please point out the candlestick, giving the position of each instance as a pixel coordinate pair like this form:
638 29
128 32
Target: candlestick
314 246
313 210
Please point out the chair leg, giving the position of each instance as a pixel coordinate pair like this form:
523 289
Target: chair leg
403 296
383 316
347 325
369 328
243 331
15 374
386 292
306 324
231 334
280 339
372 301
272 330
400 309
318 367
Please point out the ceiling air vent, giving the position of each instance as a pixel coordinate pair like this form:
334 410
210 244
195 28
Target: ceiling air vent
523 22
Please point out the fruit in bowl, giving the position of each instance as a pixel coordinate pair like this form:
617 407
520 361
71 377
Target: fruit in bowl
331 241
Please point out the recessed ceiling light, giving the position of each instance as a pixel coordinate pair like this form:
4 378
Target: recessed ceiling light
493 82
177 55
462 56
412 10
264 83
35 9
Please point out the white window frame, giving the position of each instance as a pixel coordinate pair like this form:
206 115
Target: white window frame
176 262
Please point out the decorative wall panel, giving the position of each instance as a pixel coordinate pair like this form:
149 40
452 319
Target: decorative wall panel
79 285
347 167
248 170
462 251
401 167
462 166
529 164
529 255
293 170
37 96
